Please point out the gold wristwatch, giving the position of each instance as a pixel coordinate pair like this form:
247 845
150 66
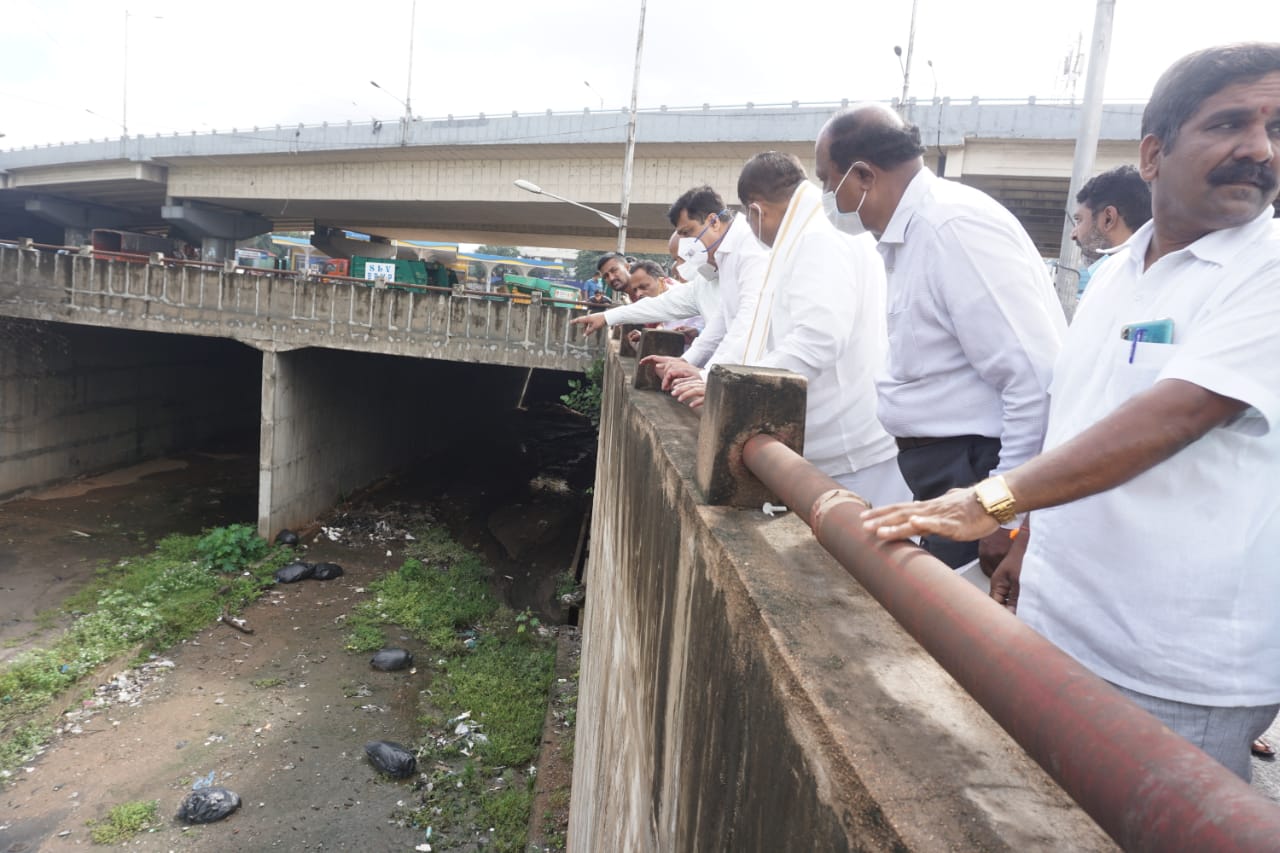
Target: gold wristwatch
995 498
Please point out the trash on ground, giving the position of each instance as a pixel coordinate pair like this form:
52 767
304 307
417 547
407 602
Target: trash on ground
206 782
295 572
771 510
327 571
208 805
287 537
391 659
391 758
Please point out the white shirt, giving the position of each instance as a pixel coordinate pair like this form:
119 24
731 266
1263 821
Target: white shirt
974 322
1170 583
680 304
740 261
823 301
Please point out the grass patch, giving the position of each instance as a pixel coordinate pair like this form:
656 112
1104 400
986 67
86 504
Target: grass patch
489 662
134 606
267 683
124 821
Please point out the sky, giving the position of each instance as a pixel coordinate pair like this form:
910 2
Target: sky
234 63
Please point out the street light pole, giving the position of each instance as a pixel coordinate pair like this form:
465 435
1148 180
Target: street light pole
531 187
629 159
906 68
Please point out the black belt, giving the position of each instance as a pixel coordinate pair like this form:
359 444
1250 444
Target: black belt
913 443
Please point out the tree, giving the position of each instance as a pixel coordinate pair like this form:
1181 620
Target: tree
584 266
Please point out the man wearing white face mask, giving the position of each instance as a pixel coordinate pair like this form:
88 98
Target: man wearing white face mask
678 306
974 323
715 245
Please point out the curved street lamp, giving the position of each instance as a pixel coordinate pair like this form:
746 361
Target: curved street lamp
531 187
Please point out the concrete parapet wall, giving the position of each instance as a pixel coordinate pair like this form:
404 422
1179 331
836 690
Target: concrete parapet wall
739 691
281 311
78 400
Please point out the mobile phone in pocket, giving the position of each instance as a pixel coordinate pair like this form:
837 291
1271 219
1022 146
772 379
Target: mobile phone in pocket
1149 332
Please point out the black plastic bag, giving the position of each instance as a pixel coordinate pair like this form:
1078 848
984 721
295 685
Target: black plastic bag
208 805
391 758
287 537
327 572
294 572
389 660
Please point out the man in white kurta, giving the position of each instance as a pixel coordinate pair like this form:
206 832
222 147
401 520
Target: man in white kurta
820 314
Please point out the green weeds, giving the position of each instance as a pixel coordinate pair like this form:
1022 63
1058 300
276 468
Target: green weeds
134 606
124 821
493 667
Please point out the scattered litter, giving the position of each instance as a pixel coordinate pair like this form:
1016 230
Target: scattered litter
391 758
772 509
64 833
82 533
391 659
206 782
327 571
295 572
208 805
241 625
334 533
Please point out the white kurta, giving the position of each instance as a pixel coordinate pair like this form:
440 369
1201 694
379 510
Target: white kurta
821 314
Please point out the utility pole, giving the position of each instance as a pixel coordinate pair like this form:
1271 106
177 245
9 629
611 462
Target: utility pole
629 159
1067 279
906 68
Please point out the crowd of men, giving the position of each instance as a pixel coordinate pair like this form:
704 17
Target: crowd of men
1108 480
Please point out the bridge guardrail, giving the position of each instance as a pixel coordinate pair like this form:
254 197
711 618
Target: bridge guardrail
1146 787
260 306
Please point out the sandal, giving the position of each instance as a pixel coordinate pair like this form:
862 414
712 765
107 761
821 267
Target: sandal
1262 749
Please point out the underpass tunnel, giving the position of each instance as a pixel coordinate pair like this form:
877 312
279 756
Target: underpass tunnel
302 429
78 400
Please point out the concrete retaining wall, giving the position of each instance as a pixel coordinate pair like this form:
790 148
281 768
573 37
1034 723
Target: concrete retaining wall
76 400
739 691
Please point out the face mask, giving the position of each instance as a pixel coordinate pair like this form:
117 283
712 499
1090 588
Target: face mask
694 259
849 223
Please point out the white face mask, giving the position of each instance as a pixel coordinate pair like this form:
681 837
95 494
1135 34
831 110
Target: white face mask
694 260
849 223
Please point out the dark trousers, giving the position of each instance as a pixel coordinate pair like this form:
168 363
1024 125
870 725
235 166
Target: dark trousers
932 466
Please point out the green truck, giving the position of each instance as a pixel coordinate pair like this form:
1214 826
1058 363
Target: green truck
560 295
412 273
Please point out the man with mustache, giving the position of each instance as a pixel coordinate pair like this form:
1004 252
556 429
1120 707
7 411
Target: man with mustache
1155 520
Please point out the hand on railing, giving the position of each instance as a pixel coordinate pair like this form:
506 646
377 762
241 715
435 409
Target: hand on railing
956 515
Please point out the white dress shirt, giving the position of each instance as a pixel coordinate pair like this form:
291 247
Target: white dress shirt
1168 584
974 322
740 260
679 304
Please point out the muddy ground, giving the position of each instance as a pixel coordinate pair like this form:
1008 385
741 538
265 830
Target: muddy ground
280 716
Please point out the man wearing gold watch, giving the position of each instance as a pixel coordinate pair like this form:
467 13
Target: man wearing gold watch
1151 555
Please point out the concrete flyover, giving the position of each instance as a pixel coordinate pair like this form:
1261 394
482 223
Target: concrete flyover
451 178
343 380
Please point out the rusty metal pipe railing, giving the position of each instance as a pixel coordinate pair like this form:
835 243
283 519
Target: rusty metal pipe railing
1148 788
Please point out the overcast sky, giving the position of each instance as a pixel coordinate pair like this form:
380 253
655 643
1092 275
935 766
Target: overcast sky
235 63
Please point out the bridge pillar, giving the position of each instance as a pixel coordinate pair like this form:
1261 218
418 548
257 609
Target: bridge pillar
77 218
216 229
